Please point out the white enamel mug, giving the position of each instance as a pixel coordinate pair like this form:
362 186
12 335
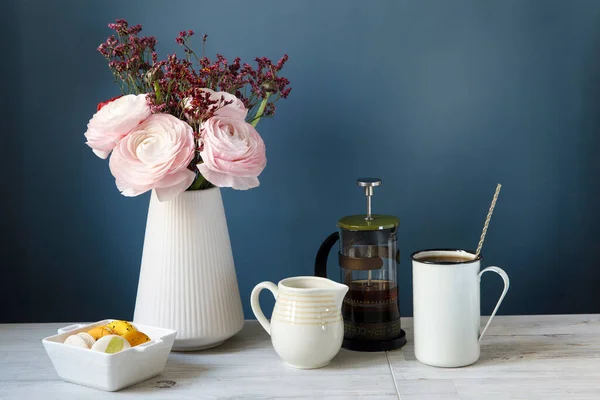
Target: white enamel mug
446 307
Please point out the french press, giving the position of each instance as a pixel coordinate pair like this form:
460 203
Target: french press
368 258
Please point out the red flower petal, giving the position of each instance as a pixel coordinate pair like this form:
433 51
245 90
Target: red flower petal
100 105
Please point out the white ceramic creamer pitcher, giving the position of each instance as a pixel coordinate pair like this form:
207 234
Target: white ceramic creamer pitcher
306 327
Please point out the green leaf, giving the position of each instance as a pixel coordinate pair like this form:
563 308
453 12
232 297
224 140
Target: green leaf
197 184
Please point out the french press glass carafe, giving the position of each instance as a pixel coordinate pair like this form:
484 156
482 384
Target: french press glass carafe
368 259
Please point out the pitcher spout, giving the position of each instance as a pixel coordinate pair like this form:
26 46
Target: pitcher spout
340 293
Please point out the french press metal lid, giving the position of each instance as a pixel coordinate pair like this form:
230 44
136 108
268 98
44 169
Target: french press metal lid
368 258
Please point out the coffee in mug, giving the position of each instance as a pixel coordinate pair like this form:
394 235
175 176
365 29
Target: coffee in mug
445 259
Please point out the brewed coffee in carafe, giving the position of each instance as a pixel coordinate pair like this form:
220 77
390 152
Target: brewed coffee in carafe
368 259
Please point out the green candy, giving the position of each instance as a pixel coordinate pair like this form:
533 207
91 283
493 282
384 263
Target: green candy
111 344
115 345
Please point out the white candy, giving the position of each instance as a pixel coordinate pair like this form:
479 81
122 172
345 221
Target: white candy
89 340
77 341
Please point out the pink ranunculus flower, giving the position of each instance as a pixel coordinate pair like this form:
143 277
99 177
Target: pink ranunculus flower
234 110
115 120
155 155
233 153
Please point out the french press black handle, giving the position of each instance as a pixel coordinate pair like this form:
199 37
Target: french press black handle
323 254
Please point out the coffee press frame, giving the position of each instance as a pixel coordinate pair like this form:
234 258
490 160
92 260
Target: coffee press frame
321 270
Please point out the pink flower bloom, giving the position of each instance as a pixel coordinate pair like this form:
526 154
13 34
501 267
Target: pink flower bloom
103 103
115 120
155 155
233 153
234 110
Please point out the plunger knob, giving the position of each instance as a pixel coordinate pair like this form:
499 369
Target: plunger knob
368 184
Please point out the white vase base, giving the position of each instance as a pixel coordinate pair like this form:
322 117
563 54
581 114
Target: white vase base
309 367
191 347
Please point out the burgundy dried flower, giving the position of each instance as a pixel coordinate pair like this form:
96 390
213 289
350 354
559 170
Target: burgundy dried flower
177 86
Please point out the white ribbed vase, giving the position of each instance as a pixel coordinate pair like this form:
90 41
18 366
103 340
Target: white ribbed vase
187 278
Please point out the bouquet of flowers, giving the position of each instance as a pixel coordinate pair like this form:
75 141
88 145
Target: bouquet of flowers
182 123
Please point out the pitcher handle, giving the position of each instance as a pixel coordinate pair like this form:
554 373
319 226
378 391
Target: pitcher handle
323 254
255 304
504 276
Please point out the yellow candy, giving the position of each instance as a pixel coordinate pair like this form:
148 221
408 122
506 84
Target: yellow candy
135 338
121 327
100 331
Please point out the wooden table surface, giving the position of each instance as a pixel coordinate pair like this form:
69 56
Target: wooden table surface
524 357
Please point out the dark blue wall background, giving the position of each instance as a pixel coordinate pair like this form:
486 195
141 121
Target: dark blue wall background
440 99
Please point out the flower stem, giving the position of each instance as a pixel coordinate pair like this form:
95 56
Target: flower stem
157 91
261 110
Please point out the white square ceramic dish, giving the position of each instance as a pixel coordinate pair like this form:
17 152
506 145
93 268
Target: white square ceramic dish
109 372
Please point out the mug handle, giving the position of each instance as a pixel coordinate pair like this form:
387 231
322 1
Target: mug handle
504 276
255 304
